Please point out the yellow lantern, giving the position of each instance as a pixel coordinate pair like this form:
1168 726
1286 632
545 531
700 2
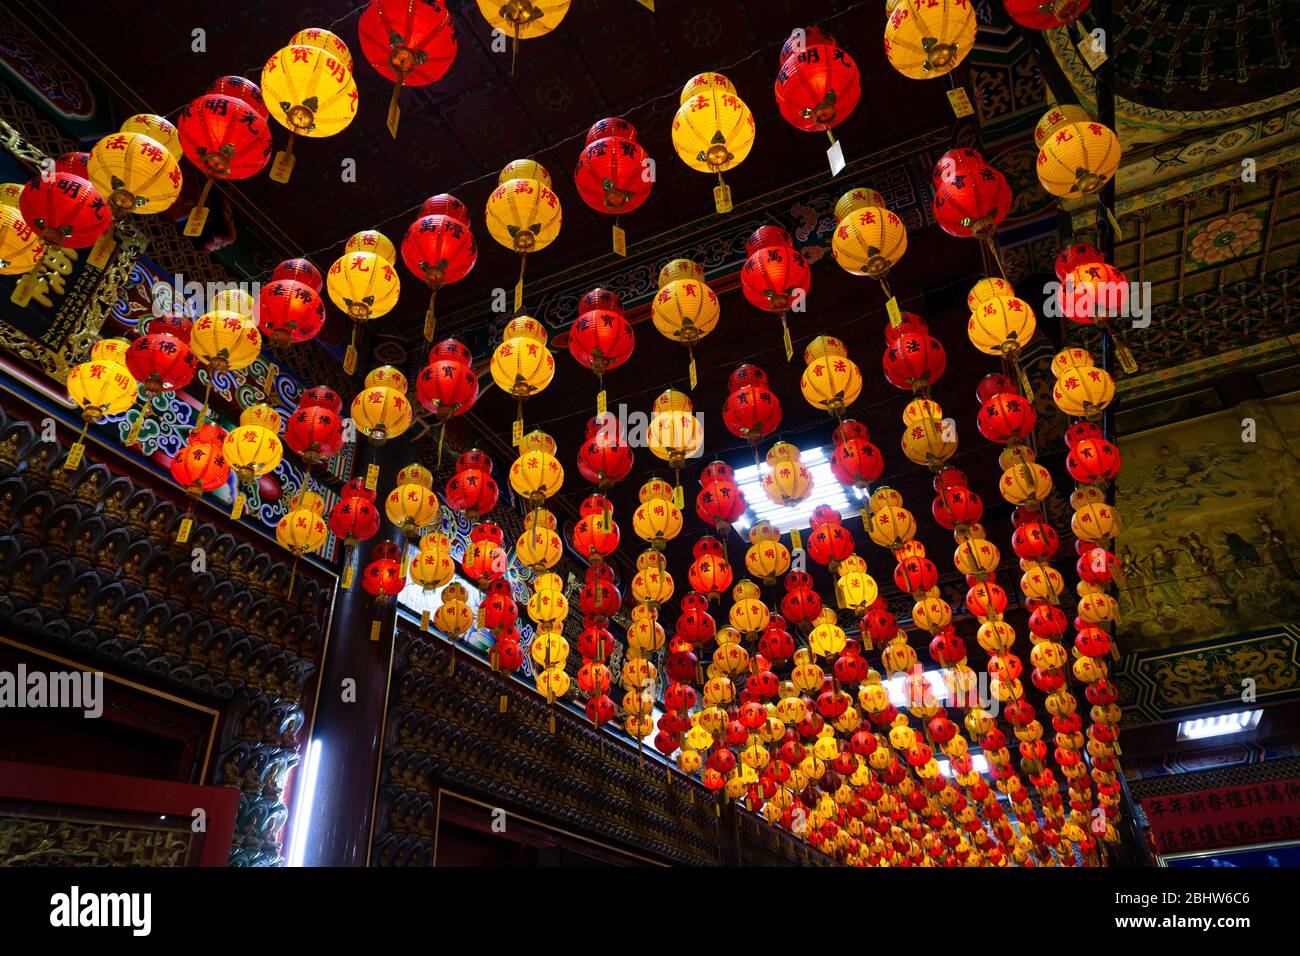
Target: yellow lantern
827 638
925 39
988 289
20 247
891 527
254 448
689 761
135 173
536 474
548 649
1096 522
102 386
539 546
310 91
1001 326
787 481
657 520
1042 582
931 441
303 528
553 683
412 504
869 239
364 285
381 410
1026 485
523 19
645 635
158 128
767 558
1077 155
1084 391
674 433
453 616
652 584
225 341
748 615
10 193
685 309
713 130
322 39
522 365
831 381
523 213
432 568
856 589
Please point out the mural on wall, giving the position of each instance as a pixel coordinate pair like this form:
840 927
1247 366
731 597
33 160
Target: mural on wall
1211 538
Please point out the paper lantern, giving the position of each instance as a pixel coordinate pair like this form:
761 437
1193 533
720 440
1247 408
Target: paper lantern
596 534
1078 155
310 91
523 20
614 175
201 466
224 138
20 245
817 86
786 481
1001 326
439 249
472 490
751 411
713 130
65 211
161 359
539 547
657 519
536 474
102 386
831 380
380 410
1084 391
364 284
767 558
869 239
522 365
523 213
685 308
289 312
925 39
971 198
302 529
674 433
410 43
412 504
135 173
605 457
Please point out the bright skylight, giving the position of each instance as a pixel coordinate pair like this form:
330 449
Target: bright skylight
898 692
1218 725
825 491
978 762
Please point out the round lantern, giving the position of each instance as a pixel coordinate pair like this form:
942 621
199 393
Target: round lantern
971 198
412 504
20 244
601 338
657 519
309 91
522 365
925 39
135 173
817 86
713 130
751 411
523 212
522 20
365 285
1001 326
224 138
605 457
685 308
674 433
472 490
103 385
614 175
439 248
536 474
409 42
380 410
1077 155
65 210
201 466
289 312
447 386
831 380
539 545
869 239
767 557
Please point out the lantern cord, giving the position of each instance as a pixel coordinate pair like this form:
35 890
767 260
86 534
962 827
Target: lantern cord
293 576
442 434
523 263
203 197
207 394
993 251
288 150
514 51
830 135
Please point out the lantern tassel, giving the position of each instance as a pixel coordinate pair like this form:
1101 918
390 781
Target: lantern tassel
429 318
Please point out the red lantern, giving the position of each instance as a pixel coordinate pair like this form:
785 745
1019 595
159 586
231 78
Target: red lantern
957 507
447 386
1007 417
971 198
601 337
1072 257
915 575
242 89
775 277
410 43
1092 461
855 461
613 175
720 501
161 360
439 248
604 457
817 86
1094 292
300 270
596 534
484 560
1045 14
1035 541
751 411
509 655
201 466
914 361
65 210
315 431
383 576
830 542
710 573
226 139
289 312
472 490
695 624
354 516
801 604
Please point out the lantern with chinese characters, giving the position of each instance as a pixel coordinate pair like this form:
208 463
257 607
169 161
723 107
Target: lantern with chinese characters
775 277
831 380
914 359
1082 389
601 337
383 578
971 198
710 573
380 410
310 91
453 616
657 519
412 504
20 245
674 433
538 546
161 359
605 457
685 308
354 518
720 502
548 607
787 481
254 448
869 239
925 39
200 465
439 248
289 311
767 558
302 529
713 130
1077 155
536 474
1001 326
447 386
830 542
596 534
300 270
364 284
224 138
817 86
409 42
929 438
801 604
315 430
855 461
100 387
135 172
433 566
523 19
242 89
523 213
751 411
484 560
472 490
614 175
65 210
522 365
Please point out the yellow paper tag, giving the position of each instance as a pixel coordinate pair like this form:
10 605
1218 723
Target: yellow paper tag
722 198
517 433
1025 385
503 704
1126 360
424 620
519 294
679 497
428 326
350 360
394 114
23 291
796 539
601 402
1091 52
694 376
102 251
348 573
183 533
405 565
620 241
648 4
75 454
198 218
268 383
960 102
481 616
372 477
374 630
237 509
892 310
282 168
789 342
1114 224
133 436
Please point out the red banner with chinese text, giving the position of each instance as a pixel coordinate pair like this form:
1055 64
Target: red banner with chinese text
1229 816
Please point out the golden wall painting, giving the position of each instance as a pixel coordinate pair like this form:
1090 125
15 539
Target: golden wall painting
1211 539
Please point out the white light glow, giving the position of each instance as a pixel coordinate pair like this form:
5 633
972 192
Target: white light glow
304 798
825 491
899 695
979 763
1217 725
